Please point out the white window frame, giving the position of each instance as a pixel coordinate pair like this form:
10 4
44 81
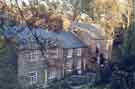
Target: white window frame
56 51
33 56
52 75
79 65
33 78
69 65
79 52
36 52
98 46
69 70
70 53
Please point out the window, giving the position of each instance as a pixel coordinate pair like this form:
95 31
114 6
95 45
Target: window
33 77
56 55
69 65
52 75
34 56
25 54
98 45
36 53
69 70
79 52
70 53
79 66
52 53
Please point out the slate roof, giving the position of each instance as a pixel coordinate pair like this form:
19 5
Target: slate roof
26 40
94 31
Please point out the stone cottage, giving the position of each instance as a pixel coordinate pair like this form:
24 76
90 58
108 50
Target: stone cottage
62 54
45 55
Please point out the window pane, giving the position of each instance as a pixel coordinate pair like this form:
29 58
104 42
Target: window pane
70 53
79 52
33 77
52 75
52 53
34 56
69 65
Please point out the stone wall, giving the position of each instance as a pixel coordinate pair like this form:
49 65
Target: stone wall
50 66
